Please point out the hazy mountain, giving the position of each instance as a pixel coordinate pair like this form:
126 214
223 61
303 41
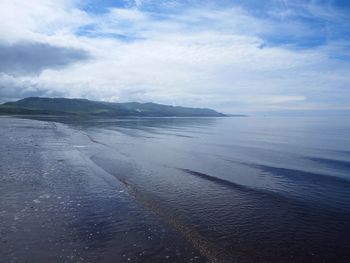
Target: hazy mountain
62 106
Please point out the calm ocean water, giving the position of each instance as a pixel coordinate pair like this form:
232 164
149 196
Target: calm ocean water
238 189
248 189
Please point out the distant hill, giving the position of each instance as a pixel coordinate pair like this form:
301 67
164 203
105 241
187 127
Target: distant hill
63 106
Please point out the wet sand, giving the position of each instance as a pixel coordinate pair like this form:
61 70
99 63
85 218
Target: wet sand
175 190
56 205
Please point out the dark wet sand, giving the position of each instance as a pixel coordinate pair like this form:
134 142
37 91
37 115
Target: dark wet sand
57 206
245 190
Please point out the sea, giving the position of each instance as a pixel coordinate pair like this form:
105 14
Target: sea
229 189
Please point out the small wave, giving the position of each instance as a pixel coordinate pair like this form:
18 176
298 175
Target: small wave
294 174
211 251
260 193
339 164
216 179
94 141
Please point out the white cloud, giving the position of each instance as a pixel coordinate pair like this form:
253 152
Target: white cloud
197 57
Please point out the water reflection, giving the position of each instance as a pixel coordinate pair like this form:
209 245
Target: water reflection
237 189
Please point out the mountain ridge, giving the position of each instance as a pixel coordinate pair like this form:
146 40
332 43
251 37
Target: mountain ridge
65 106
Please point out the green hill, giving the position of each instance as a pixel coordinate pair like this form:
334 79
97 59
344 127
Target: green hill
63 106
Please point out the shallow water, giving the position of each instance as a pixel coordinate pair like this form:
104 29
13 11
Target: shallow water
57 206
235 189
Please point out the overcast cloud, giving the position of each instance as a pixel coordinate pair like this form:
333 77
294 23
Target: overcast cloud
234 57
25 58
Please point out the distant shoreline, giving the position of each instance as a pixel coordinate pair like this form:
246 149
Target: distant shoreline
84 107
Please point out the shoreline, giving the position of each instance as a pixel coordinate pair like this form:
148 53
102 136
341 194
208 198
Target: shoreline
64 192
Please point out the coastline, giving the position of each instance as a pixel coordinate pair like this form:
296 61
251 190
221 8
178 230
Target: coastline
171 190
60 206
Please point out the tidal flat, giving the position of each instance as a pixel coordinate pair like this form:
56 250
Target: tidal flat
58 206
174 189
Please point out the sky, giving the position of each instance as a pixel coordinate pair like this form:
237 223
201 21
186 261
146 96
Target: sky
234 56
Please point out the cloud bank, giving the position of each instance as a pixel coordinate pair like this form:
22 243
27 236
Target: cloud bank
32 58
232 57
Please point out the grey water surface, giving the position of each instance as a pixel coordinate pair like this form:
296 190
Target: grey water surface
250 189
